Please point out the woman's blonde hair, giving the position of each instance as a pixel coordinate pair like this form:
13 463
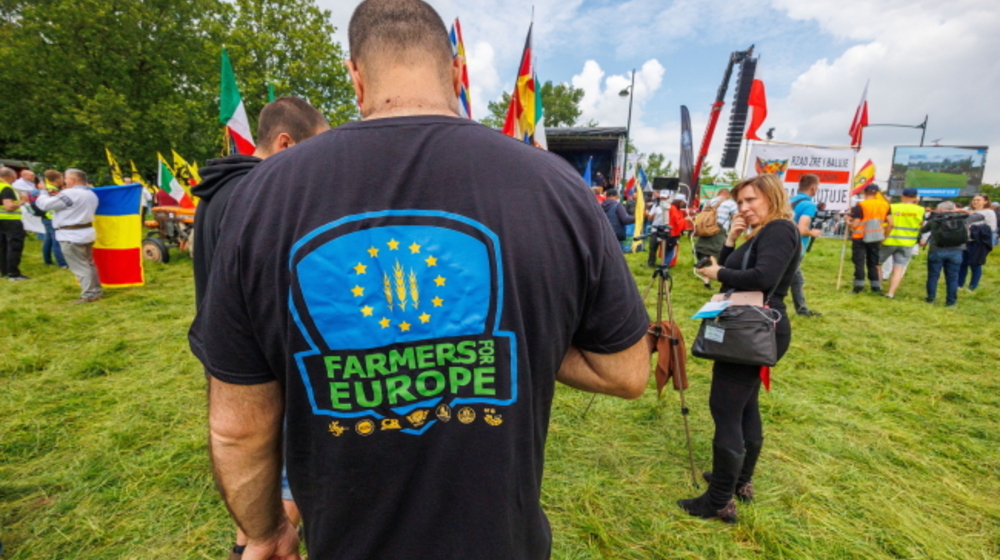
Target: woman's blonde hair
772 189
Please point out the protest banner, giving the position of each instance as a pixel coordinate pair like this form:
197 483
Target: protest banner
834 166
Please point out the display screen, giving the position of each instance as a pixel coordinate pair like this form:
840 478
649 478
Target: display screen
938 171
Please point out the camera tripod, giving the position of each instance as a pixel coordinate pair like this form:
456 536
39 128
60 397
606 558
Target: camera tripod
664 281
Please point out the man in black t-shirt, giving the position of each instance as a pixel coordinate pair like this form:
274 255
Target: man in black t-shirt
398 311
11 228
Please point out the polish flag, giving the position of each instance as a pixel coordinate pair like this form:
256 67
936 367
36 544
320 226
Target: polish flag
860 120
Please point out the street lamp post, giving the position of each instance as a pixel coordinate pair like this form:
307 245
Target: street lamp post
630 93
922 126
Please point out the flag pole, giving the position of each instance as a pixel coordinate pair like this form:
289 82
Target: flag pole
746 156
847 229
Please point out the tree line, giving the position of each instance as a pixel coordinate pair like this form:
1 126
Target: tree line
142 76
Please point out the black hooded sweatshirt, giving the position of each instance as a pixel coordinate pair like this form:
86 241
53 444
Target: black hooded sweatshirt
219 178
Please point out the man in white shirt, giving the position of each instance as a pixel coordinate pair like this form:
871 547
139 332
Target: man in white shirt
74 207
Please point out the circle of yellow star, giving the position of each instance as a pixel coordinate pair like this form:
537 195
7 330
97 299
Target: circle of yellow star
385 322
414 248
367 311
439 281
438 302
373 252
358 291
431 261
360 269
393 244
404 326
425 317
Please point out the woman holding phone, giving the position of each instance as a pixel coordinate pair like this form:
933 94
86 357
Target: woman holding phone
773 245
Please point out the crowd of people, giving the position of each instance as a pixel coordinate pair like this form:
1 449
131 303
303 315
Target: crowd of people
64 206
884 235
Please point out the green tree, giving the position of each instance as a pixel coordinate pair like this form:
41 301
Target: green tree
142 76
561 103
129 75
287 43
657 166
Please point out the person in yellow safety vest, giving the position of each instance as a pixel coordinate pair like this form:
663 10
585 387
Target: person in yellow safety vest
871 222
907 218
11 228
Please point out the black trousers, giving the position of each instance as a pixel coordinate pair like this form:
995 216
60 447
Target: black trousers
11 247
865 255
734 394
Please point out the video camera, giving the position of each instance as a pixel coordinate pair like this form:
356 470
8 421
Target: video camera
658 233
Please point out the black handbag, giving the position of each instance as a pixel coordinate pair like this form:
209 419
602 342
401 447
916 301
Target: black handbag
741 334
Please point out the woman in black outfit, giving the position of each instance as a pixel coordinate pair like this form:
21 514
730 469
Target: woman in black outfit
738 438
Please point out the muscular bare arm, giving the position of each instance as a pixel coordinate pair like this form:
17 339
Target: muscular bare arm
245 443
623 374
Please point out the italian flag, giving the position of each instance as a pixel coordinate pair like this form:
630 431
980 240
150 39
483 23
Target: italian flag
166 180
232 112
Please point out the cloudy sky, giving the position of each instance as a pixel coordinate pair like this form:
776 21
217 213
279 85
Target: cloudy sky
922 58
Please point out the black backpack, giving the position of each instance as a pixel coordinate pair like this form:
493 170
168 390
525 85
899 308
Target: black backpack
953 230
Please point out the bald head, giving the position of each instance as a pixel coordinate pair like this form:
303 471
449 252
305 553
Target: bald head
7 175
400 55
28 175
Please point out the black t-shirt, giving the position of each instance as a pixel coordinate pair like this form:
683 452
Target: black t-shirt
8 193
415 293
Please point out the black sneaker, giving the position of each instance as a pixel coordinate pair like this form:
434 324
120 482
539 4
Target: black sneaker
858 289
809 313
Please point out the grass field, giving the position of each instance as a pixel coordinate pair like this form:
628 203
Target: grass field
920 179
882 433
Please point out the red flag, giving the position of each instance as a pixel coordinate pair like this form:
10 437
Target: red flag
860 120
758 101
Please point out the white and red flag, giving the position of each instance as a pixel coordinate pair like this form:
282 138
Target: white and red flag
232 112
860 120
757 101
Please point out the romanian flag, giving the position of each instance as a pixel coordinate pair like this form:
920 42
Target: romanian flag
864 178
524 114
118 249
458 49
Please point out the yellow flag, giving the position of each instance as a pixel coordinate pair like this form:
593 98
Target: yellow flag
640 216
116 171
184 170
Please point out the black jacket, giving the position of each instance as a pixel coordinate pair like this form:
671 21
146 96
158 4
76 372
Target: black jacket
618 217
219 178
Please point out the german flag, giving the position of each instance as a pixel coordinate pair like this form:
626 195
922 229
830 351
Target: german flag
118 248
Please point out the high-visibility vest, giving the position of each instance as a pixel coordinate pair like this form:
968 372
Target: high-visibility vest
871 209
906 220
4 213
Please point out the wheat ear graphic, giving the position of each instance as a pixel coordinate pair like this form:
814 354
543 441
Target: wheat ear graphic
387 289
400 278
414 292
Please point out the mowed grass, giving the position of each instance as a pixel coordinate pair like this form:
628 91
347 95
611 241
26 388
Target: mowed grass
921 179
882 437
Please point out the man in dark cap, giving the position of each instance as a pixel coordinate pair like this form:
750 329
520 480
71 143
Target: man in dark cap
871 221
398 313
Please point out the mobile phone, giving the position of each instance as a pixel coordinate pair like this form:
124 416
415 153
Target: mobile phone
703 262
